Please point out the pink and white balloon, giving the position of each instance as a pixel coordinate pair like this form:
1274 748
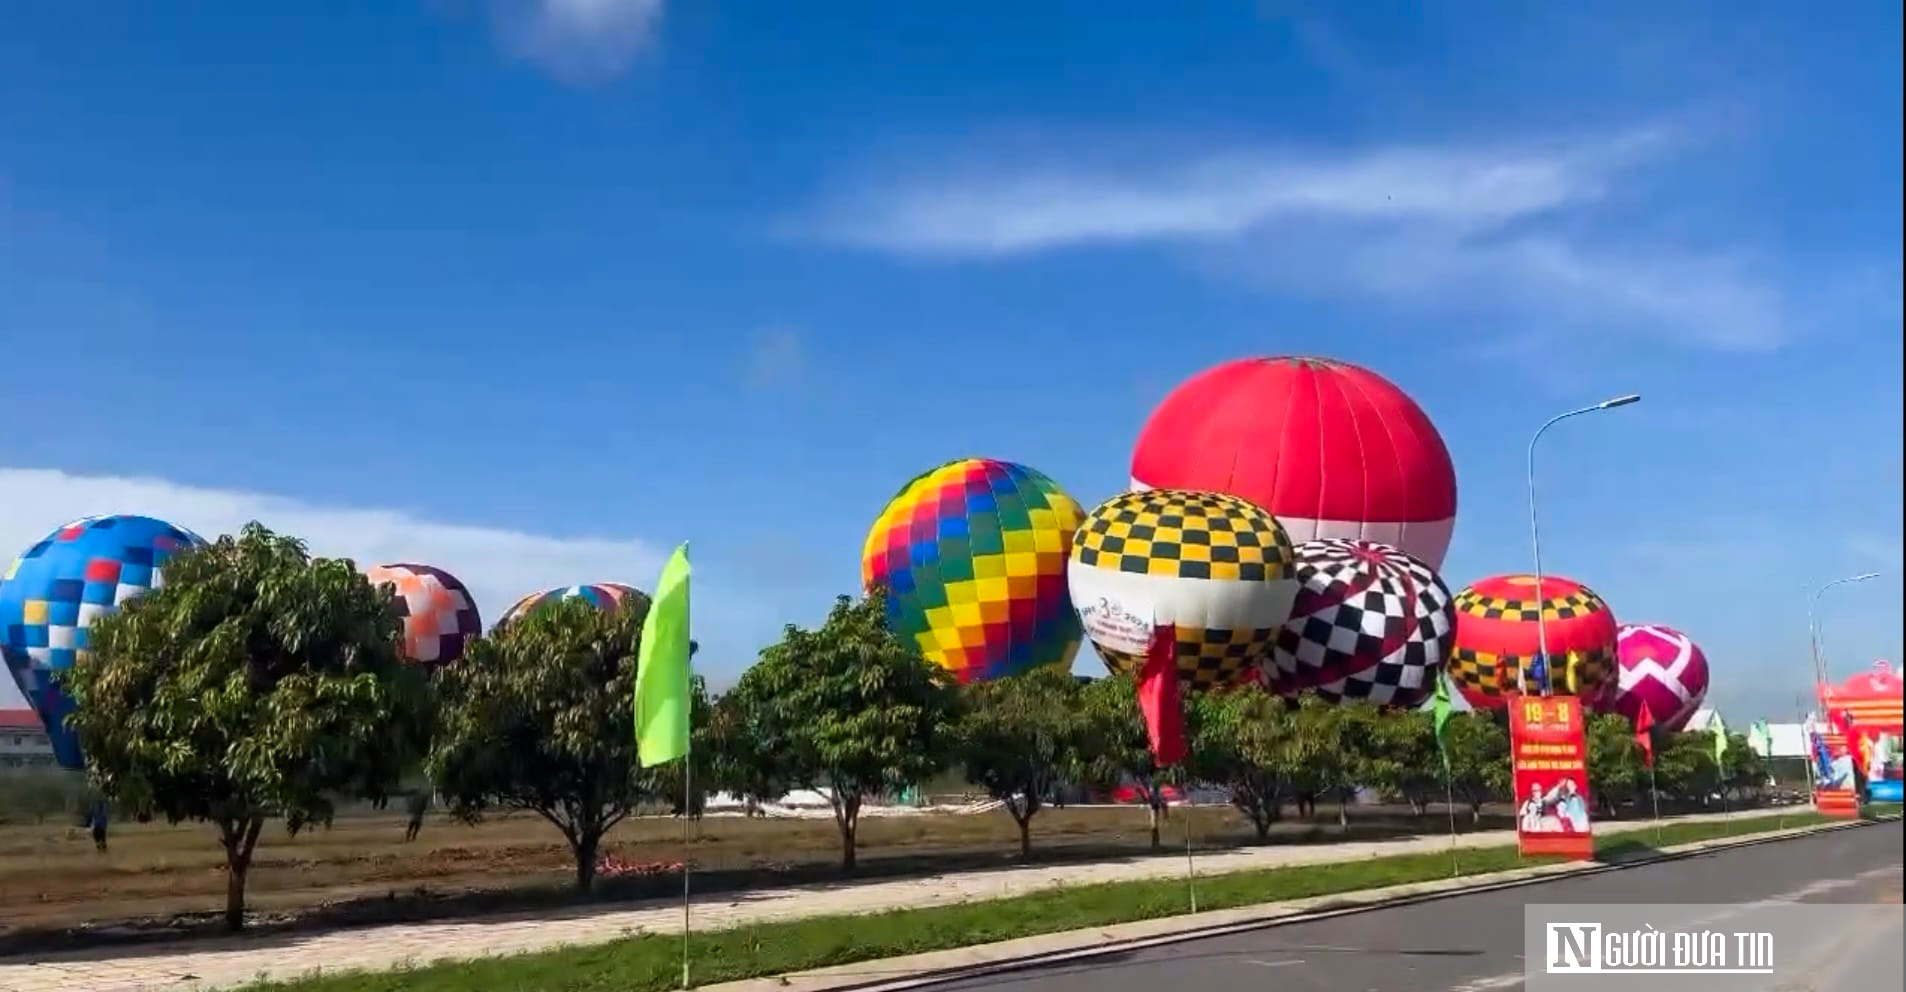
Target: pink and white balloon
1661 668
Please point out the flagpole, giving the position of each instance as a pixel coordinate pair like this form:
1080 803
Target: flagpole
1654 796
1449 803
688 816
1191 871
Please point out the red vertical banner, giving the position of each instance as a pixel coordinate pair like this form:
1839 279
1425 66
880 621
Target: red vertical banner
1550 762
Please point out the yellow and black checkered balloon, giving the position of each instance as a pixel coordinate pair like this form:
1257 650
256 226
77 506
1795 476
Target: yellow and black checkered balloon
1498 641
1218 568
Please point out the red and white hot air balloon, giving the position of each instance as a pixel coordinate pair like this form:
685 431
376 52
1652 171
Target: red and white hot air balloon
1331 449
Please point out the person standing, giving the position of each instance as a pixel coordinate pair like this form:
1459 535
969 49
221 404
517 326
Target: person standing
419 804
99 826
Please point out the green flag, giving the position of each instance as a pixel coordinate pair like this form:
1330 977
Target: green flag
1765 735
1720 737
1442 717
661 676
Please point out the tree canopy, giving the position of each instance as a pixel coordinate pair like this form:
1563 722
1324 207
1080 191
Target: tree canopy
537 717
257 682
848 709
1021 738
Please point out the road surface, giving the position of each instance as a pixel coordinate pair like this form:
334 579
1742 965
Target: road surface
1473 943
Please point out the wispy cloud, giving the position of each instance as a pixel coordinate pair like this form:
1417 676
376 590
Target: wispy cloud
1005 210
1506 225
582 42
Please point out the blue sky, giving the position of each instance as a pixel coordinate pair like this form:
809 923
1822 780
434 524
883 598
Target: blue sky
533 290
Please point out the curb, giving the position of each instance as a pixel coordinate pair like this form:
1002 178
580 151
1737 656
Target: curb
1003 958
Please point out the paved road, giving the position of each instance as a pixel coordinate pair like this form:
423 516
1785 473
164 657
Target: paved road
1473 943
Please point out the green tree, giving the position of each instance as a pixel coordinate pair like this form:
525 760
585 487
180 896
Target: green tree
257 682
1120 747
537 718
848 709
1685 769
1338 747
1022 737
1478 744
1401 758
1616 771
1247 742
739 762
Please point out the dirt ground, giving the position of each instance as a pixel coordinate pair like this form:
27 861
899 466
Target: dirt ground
362 870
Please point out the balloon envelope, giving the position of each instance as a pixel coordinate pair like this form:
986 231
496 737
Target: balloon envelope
973 557
1370 622
1332 449
438 612
601 595
1217 567
1497 637
1662 669
59 586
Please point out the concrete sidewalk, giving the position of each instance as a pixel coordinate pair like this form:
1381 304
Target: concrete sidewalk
186 966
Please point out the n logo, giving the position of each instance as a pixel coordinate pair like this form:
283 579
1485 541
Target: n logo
1573 947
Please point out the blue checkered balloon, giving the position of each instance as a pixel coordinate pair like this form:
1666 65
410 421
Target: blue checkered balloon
58 587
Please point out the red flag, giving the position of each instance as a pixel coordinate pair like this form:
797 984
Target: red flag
1644 735
1158 697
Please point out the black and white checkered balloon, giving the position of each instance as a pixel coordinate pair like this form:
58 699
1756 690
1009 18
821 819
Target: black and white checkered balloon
1370 623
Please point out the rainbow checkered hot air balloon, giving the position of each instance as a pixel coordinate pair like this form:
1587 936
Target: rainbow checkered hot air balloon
601 595
973 557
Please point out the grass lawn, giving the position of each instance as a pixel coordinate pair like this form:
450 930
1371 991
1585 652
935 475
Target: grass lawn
654 962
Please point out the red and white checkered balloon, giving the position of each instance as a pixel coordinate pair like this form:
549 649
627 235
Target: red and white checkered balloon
1370 623
1661 668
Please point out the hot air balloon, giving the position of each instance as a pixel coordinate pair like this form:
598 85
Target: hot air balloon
601 595
1661 668
1333 450
973 557
1215 566
1496 638
438 611
1370 623
59 586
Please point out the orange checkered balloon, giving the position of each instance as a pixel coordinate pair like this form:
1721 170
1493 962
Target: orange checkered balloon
973 558
438 613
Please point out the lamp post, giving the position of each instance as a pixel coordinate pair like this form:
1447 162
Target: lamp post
1535 535
1813 630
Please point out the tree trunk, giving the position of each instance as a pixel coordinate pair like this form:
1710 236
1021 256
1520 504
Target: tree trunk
239 840
849 856
1343 809
847 818
585 846
1261 822
1025 836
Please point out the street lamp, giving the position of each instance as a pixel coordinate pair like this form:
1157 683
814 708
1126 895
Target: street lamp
1535 535
1813 628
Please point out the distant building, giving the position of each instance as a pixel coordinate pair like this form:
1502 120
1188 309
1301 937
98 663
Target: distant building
23 741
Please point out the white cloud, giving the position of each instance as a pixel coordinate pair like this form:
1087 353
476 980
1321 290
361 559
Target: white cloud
578 41
498 565
1009 210
1499 227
